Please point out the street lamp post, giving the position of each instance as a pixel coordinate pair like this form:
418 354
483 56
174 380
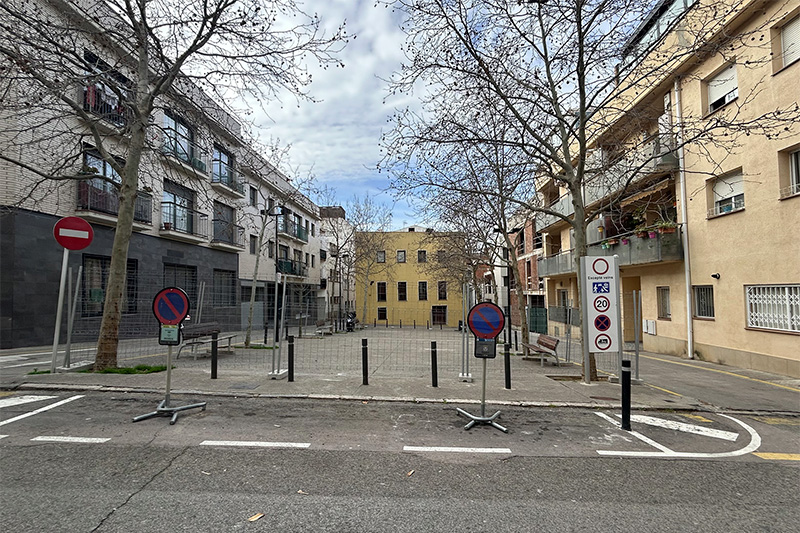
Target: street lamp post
276 211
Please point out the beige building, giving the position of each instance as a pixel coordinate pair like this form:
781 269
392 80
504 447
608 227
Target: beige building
707 230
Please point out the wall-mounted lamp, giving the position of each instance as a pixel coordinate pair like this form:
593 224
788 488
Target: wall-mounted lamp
715 276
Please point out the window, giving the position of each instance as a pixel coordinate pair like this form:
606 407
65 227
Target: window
222 167
401 256
442 290
794 175
307 256
182 276
253 244
562 297
313 260
381 256
402 296
323 255
790 41
422 291
703 301
253 196
224 229
95 278
313 229
247 292
422 256
722 88
177 208
178 138
224 288
381 291
662 300
728 194
382 313
94 164
773 307
440 257
521 242
102 92
270 249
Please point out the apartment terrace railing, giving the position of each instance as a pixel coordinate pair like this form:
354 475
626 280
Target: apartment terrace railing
180 219
92 198
655 247
227 232
229 179
292 268
292 229
188 153
648 159
99 99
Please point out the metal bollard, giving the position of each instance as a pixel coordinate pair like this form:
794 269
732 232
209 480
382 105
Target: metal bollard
507 361
291 358
434 366
401 324
214 354
516 342
364 363
626 394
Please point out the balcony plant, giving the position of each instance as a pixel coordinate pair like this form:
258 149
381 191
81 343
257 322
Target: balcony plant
626 240
667 226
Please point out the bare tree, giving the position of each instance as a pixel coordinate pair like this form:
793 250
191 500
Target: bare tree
371 222
561 74
93 73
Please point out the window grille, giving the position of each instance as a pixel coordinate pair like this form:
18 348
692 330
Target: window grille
662 297
773 307
703 301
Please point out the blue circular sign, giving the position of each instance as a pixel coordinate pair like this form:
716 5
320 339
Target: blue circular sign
602 323
485 320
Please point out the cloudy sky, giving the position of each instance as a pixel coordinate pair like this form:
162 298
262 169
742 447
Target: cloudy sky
338 137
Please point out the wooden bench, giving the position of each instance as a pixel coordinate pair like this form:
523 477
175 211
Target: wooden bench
545 346
195 335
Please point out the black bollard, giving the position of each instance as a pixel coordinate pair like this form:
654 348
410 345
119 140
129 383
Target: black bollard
507 361
291 358
434 366
626 394
364 363
516 342
214 353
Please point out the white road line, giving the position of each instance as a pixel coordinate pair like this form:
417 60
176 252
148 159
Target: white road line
651 442
3 436
257 444
755 443
682 426
43 409
449 449
85 440
19 400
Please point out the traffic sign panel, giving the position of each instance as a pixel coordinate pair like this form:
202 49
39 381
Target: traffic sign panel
602 342
73 233
485 320
171 306
601 303
602 323
600 266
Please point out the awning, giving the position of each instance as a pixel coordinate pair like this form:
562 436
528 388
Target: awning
660 186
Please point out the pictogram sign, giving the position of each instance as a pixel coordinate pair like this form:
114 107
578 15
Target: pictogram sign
171 305
485 320
603 316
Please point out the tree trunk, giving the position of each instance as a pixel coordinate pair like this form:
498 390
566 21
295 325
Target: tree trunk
248 334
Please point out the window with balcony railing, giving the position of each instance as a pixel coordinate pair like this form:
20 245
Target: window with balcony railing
222 167
728 194
177 208
106 91
179 141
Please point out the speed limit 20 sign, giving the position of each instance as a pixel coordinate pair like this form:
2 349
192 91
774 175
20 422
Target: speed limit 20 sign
600 288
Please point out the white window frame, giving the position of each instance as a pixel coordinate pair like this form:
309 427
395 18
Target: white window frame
401 256
381 256
723 88
790 41
662 299
728 194
794 173
703 301
774 307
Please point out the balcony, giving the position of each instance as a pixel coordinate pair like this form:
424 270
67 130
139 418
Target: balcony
662 247
183 224
649 159
292 268
188 155
101 101
225 180
227 235
101 206
292 230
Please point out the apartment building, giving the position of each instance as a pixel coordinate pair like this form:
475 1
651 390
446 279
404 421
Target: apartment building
411 279
338 274
705 231
208 204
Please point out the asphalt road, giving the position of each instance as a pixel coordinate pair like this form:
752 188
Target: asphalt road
375 466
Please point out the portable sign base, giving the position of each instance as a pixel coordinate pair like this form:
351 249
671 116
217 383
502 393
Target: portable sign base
164 409
483 419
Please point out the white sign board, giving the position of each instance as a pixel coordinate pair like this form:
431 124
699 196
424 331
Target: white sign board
603 311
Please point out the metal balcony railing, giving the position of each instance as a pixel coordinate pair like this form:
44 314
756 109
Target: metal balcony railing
292 268
175 217
185 151
227 176
292 229
101 100
228 233
92 198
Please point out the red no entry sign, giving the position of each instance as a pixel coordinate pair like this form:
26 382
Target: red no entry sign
73 233
486 320
171 305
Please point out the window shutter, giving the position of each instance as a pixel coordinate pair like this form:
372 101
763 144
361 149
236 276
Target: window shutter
790 41
729 186
722 84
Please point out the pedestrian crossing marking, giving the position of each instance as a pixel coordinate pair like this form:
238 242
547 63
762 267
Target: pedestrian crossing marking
20 400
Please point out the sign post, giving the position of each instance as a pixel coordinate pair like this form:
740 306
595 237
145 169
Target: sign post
603 324
73 233
485 320
171 307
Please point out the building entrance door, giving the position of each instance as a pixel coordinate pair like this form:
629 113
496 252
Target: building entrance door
439 315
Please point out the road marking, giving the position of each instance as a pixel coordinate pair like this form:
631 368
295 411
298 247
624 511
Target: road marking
257 444
722 372
778 421
19 400
755 443
636 434
698 418
449 449
779 456
84 440
688 428
664 390
3 436
41 410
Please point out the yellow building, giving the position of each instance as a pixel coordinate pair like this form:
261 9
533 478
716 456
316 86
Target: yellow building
409 278
725 286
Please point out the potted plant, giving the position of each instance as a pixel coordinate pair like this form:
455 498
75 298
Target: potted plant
626 240
651 233
167 226
612 241
640 231
604 245
667 226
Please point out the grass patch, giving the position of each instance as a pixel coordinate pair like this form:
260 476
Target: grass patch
138 369
256 347
36 371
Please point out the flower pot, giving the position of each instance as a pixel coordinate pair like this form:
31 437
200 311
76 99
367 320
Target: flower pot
625 240
613 241
641 234
167 226
670 229
651 234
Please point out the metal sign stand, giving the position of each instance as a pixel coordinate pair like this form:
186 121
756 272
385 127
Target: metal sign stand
483 419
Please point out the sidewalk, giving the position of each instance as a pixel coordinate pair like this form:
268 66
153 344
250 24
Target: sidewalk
532 385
